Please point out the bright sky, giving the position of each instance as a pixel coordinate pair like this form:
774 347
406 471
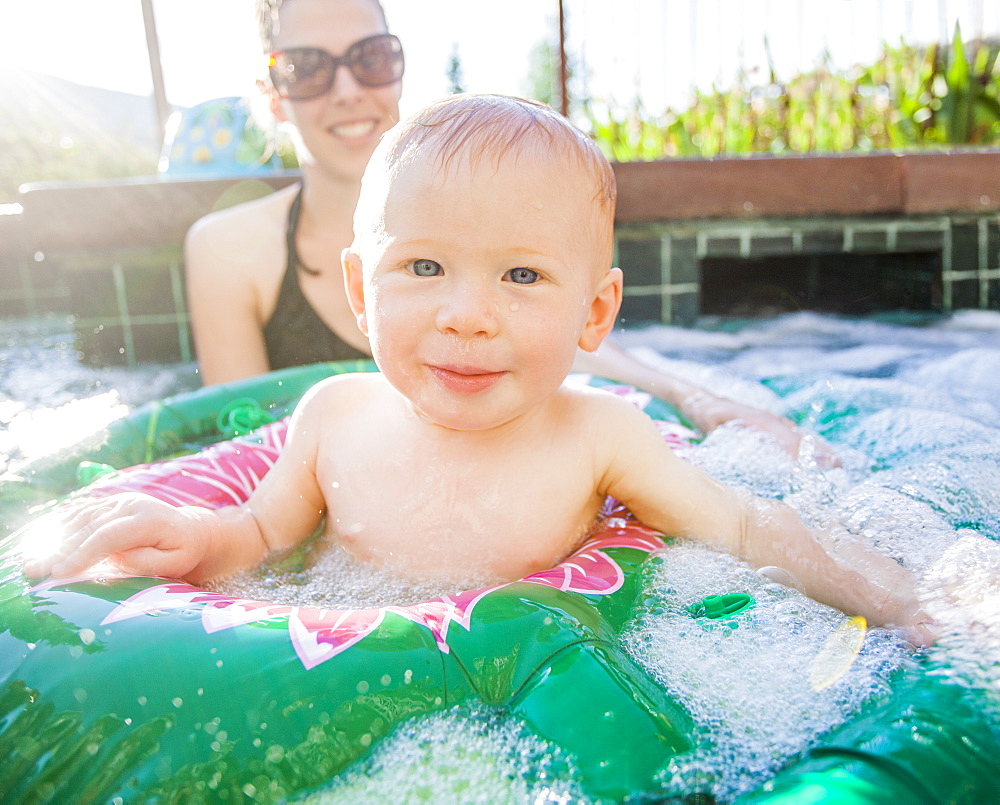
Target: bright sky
209 48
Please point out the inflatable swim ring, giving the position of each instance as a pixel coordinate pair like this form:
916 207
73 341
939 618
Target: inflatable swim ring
171 688
138 689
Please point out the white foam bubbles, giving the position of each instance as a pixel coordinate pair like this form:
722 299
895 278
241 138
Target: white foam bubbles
459 756
331 578
748 688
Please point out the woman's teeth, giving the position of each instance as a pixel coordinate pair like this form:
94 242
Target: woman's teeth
350 130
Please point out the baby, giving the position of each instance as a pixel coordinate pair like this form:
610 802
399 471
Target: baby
481 262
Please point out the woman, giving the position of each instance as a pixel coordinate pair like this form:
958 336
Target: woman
264 280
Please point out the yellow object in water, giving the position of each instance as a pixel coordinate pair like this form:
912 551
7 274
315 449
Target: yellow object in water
837 653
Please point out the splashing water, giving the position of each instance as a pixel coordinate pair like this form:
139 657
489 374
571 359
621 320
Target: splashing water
49 400
911 407
330 578
751 683
461 756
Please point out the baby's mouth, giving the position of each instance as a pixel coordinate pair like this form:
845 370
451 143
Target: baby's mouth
466 379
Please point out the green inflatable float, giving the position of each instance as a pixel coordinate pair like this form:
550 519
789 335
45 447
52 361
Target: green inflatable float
139 689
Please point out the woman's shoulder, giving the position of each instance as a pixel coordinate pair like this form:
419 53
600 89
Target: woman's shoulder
240 242
262 220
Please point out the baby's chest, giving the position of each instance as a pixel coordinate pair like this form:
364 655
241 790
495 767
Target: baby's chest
502 523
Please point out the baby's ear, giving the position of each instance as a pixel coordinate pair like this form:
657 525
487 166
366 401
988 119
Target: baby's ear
354 282
603 310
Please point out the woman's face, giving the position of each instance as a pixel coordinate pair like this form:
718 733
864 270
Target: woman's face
338 130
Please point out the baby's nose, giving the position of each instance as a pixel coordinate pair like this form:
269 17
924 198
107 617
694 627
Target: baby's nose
468 312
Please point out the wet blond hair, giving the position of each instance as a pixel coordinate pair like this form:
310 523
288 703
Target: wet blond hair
494 128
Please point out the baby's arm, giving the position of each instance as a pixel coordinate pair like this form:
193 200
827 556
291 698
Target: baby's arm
672 495
145 536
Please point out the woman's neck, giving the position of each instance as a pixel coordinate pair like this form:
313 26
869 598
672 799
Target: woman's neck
325 222
325 197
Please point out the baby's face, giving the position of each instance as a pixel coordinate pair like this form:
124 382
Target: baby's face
480 287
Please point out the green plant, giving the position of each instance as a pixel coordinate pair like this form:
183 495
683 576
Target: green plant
943 95
910 97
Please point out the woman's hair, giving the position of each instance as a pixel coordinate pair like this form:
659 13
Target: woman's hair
269 19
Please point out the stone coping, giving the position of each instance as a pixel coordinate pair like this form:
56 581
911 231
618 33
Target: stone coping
809 185
158 212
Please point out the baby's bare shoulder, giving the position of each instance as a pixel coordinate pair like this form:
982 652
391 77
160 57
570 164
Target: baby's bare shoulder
334 406
607 423
351 388
603 406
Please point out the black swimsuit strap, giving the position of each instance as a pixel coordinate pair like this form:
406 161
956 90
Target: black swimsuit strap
291 233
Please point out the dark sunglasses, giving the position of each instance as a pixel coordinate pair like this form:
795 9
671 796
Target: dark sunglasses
302 73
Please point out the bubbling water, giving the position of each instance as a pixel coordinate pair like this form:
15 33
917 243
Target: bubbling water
910 410
49 400
328 577
752 684
463 755
962 593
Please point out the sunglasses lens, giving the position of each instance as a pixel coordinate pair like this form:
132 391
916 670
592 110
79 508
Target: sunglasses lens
377 60
302 72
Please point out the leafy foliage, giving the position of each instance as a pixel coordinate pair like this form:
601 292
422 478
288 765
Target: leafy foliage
910 98
47 133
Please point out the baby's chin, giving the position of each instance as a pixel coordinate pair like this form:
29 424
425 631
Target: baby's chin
470 421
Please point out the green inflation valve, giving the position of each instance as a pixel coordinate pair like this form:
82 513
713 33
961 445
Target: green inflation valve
721 607
242 416
89 471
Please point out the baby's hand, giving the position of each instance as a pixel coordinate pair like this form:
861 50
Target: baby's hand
133 532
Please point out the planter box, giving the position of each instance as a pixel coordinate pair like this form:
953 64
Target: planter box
797 186
952 182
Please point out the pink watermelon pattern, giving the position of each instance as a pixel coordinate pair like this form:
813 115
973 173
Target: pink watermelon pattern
226 474
318 635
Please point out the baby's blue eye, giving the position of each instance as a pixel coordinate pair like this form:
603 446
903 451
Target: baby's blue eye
522 276
426 268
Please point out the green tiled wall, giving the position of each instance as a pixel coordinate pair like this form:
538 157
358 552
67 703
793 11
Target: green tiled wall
931 262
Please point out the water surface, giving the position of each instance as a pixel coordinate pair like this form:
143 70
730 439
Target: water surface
910 403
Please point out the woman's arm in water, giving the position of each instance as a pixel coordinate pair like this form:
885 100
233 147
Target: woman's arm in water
705 410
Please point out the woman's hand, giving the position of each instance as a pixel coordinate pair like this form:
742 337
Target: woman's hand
135 533
708 411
